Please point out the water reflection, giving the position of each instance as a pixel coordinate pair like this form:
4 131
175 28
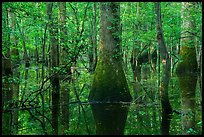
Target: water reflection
165 124
188 88
110 118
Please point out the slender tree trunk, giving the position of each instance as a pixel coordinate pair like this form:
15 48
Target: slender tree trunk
7 91
36 56
94 40
166 107
16 73
65 89
43 95
54 64
25 54
201 70
43 51
36 49
90 49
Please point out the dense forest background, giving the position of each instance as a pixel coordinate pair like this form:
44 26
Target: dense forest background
60 59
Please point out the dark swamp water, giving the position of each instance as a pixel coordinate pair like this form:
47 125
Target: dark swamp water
141 116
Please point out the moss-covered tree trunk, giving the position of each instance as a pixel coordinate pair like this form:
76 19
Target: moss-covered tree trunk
166 106
109 82
187 67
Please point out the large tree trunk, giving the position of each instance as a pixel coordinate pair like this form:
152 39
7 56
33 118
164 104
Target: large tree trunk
187 68
109 73
53 30
109 85
166 107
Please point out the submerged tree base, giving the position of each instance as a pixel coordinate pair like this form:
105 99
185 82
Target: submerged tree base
188 104
109 118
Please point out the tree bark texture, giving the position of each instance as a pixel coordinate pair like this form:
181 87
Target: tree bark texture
64 87
54 63
166 107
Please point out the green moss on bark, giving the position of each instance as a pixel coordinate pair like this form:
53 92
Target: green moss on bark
109 83
188 63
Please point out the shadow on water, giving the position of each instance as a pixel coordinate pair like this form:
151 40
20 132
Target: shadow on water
110 118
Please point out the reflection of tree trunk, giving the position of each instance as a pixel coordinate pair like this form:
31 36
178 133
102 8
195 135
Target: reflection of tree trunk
7 95
166 119
16 74
154 119
137 79
110 118
136 68
187 87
